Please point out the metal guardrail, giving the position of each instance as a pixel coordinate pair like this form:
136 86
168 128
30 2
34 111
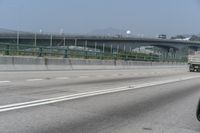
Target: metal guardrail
42 51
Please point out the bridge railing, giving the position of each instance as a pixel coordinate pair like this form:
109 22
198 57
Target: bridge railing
60 52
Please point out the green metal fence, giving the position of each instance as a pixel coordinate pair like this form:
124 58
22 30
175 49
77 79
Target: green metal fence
41 51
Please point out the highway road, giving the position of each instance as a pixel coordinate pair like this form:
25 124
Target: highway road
100 101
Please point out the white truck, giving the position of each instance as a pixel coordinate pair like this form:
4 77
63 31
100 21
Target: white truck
194 62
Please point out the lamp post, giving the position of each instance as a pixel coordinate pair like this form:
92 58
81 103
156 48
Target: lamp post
35 39
17 40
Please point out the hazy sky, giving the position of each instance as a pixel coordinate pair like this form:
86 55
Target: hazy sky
148 17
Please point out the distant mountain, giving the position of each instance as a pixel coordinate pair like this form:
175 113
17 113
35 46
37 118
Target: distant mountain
108 31
186 37
198 34
8 31
2 30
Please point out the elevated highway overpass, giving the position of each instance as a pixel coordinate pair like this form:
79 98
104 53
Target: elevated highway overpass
103 43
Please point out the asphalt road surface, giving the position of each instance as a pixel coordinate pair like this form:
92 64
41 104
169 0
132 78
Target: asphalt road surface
105 101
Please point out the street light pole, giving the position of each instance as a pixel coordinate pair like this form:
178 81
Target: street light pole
17 40
51 41
35 39
64 43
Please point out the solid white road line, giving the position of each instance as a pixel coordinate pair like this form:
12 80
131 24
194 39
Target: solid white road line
83 76
62 78
5 81
30 80
87 94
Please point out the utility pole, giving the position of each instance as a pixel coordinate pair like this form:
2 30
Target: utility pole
118 48
85 45
51 41
35 39
64 43
17 40
103 47
111 48
95 47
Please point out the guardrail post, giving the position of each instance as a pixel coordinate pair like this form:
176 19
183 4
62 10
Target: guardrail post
136 56
86 54
101 55
115 56
96 55
144 58
126 55
40 52
66 53
151 58
7 50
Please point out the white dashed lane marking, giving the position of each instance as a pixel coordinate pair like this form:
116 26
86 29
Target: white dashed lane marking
31 80
62 78
83 76
5 81
100 76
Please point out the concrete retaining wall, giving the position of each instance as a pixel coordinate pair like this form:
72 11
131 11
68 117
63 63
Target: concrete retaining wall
9 63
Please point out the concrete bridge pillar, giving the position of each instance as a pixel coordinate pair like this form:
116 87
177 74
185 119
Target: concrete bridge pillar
164 53
168 53
192 49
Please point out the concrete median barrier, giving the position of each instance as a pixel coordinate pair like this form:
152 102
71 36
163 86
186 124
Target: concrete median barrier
15 63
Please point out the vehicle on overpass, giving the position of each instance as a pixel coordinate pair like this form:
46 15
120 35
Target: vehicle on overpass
162 36
194 62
